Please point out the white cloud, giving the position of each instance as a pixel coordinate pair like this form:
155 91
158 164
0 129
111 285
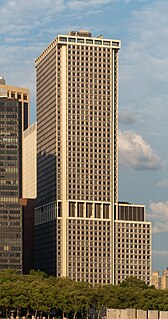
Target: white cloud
143 66
160 253
127 117
80 4
136 153
163 183
159 215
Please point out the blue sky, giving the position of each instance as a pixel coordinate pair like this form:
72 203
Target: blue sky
27 27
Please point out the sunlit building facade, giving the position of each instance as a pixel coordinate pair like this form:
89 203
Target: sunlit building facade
77 158
133 247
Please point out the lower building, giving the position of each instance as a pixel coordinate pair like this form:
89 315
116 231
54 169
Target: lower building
132 237
164 279
160 281
90 243
156 279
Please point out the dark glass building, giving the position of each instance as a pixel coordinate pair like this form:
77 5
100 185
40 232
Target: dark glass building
10 185
14 119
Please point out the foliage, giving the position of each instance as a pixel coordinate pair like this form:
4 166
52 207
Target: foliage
37 294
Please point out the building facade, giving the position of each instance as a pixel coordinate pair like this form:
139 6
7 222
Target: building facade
156 279
77 158
14 117
23 97
160 281
10 187
29 163
77 124
133 245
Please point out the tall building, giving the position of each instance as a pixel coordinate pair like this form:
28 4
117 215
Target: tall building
10 208
23 97
77 104
12 117
77 157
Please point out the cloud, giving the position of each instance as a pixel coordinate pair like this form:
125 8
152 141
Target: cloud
80 4
163 183
127 117
163 253
143 64
136 153
159 215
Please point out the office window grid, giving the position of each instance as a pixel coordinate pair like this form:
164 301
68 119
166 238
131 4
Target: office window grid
10 208
131 212
115 108
132 251
46 122
89 250
59 248
89 122
97 210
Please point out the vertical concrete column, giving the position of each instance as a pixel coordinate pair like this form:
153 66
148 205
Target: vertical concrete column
64 159
131 313
153 314
141 314
163 315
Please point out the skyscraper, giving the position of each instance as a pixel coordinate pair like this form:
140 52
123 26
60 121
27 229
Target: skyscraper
77 157
11 126
23 97
10 208
77 104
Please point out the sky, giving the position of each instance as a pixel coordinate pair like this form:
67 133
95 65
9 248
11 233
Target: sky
28 26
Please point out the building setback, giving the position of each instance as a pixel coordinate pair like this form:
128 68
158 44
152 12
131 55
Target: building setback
77 158
132 243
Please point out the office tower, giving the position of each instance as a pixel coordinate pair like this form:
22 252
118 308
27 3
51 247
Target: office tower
29 162
10 208
23 97
77 127
12 116
132 237
77 219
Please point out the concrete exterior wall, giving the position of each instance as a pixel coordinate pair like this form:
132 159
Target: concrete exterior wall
130 314
153 314
163 315
141 314
136 314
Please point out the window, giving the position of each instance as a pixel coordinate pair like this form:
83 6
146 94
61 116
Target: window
72 209
80 210
106 209
97 210
89 210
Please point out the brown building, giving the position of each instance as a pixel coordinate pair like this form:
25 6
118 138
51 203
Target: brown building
77 158
132 243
